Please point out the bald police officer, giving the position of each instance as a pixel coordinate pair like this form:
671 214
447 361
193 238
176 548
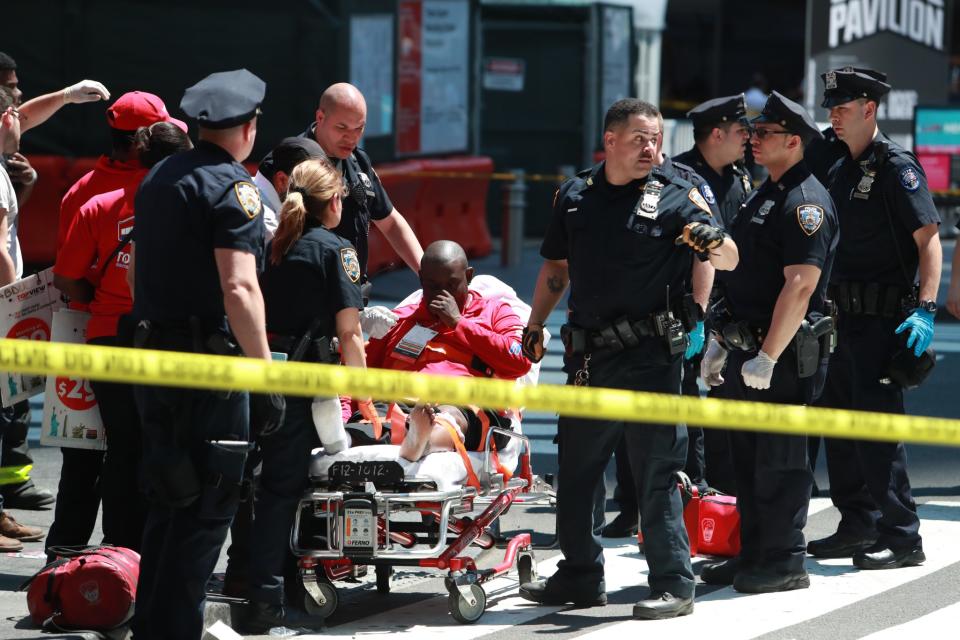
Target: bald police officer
612 239
774 340
198 242
888 231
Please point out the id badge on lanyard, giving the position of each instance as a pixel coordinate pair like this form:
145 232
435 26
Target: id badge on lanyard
413 343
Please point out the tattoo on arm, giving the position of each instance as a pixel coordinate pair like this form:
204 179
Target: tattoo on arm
556 284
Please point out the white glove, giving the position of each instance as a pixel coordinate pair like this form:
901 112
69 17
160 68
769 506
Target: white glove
85 91
376 321
758 371
328 421
712 364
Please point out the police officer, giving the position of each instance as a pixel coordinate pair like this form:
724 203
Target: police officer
612 239
198 241
340 120
311 289
774 340
888 230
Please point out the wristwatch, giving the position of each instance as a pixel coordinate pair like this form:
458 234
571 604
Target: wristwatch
929 306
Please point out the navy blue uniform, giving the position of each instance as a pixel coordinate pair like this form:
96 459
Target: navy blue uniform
727 190
784 223
622 261
367 201
316 279
882 199
821 154
188 205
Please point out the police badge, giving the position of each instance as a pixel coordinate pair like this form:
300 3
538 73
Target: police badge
351 264
762 212
647 207
864 186
248 195
810 217
830 80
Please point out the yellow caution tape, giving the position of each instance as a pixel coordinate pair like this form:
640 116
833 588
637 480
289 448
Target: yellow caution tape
168 368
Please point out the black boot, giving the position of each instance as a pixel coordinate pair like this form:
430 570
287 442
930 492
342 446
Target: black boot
838 545
759 581
625 525
559 592
260 617
27 496
881 556
721 573
662 605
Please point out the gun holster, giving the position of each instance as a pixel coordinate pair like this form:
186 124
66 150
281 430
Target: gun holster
224 487
809 343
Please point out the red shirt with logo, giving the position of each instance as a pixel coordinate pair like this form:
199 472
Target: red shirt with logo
97 230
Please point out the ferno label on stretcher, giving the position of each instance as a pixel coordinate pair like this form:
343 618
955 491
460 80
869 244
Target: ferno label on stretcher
26 313
71 416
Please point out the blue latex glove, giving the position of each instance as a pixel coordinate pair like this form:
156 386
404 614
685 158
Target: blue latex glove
696 342
920 324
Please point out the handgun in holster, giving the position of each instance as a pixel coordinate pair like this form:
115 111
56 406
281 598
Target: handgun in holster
808 345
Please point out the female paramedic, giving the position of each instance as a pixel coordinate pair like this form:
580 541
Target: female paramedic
92 267
311 289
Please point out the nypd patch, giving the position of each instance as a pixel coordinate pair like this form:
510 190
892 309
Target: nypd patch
248 195
708 194
351 264
810 217
910 179
698 200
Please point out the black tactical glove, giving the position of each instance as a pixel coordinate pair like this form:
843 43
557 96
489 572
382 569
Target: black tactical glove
532 342
701 237
266 413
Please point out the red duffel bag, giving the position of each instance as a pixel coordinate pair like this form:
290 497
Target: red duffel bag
85 588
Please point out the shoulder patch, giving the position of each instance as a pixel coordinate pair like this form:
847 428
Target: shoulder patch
350 262
698 200
910 179
708 194
810 217
248 195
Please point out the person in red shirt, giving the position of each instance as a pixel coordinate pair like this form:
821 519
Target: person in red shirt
454 330
92 268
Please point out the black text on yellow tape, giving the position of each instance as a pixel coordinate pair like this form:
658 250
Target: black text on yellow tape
168 368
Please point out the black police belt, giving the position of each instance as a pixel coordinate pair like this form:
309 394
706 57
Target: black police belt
812 342
192 336
304 348
870 298
625 334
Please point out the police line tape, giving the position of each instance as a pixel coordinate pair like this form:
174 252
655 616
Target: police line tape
199 371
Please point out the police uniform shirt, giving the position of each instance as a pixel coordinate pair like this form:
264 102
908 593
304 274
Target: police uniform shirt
728 190
788 222
622 258
874 206
188 205
367 200
318 277
671 168
821 154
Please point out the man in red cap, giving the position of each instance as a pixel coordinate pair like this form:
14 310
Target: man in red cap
78 492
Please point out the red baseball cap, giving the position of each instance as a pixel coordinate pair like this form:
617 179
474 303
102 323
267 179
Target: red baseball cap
137 109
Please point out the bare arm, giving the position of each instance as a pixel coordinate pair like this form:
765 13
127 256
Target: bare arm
131 275
351 338
79 290
8 270
243 301
703 273
791 307
401 237
726 257
38 110
927 238
551 285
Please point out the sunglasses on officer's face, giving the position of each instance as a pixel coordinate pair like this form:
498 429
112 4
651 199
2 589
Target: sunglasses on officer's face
763 133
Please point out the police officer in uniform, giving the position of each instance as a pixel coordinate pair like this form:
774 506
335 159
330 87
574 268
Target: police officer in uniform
612 239
774 338
888 230
198 243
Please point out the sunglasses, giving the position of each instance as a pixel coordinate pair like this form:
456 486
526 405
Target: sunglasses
763 133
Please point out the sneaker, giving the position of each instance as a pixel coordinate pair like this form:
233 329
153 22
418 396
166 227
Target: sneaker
662 605
880 556
553 592
10 528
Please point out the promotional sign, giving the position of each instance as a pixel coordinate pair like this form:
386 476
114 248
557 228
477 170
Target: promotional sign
71 416
503 74
909 40
432 76
26 312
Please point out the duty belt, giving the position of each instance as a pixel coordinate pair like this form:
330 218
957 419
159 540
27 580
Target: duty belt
303 348
191 336
624 334
870 298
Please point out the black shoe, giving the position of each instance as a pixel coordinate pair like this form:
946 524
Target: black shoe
662 605
623 526
880 556
759 581
27 496
721 573
838 545
261 617
553 592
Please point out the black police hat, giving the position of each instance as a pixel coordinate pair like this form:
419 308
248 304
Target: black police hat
789 115
291 152
852 83
225 99
718 111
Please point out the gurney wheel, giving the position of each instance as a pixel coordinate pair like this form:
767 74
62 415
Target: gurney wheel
384 571
318 610
461 610
526 567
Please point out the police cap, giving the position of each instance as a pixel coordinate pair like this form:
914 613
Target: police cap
789 115
718 111
289 153
851 83
225 99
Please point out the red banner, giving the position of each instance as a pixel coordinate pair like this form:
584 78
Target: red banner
409 76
